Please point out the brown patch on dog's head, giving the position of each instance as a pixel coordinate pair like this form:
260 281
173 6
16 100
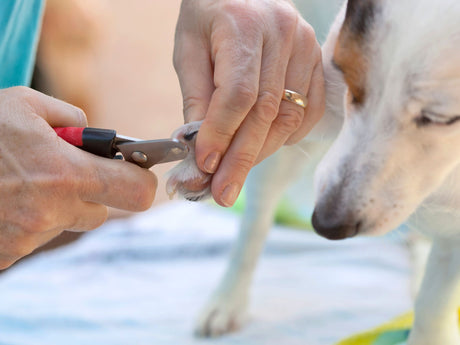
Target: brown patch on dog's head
349 53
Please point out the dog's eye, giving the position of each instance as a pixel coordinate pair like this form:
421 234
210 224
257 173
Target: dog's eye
429 118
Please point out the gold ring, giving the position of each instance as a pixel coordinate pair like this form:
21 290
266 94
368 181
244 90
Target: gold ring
294 97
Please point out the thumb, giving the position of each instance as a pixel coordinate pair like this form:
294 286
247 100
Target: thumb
193 67
54 111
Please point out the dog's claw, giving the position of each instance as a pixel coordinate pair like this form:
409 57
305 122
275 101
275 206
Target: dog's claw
193 198
186 179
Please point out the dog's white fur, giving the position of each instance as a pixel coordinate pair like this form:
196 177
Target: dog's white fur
396 157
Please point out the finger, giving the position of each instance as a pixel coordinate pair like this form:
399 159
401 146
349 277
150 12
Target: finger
54 111
228 180
315 107
298 78
194 70
250 137
16 244
89 217
116 183
236 77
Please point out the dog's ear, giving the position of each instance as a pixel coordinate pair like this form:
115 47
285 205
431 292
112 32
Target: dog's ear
349 53
360 15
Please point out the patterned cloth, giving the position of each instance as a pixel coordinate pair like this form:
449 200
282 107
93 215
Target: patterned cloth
20 22
394 332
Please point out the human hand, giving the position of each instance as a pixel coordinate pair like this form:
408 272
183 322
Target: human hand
47 184
234 58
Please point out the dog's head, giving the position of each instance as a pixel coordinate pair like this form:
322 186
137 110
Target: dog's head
401 134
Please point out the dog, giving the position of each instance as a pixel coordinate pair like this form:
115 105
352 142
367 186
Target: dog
388 148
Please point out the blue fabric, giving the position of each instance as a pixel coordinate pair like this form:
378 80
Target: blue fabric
20 22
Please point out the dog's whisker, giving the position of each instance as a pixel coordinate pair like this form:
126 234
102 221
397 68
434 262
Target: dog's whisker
299 148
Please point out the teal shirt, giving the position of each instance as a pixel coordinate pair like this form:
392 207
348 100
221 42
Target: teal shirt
20 22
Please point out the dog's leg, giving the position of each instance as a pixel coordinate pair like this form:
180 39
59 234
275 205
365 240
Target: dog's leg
436 316
226 309
419 249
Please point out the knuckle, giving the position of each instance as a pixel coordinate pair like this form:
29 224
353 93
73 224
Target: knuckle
18 96
233 7
244 12
244 161
37 221
240 16
289 120
192 102
240 98
308 31
307 37
224 133
287 17
26 94
268 105
22 90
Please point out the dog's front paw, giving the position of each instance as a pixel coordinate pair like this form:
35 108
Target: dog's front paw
223 314
186 178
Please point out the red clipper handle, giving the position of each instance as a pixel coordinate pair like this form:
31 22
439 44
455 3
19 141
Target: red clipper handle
98 141
73 135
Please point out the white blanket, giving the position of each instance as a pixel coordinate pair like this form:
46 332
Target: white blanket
142 281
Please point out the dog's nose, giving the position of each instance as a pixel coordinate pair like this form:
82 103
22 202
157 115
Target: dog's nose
334 229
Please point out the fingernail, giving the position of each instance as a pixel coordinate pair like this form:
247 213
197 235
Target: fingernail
230 194
212 162
82 120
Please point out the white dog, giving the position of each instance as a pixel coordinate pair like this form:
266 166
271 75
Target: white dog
393 87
